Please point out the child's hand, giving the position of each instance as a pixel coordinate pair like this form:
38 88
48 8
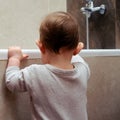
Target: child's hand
16 52
15 55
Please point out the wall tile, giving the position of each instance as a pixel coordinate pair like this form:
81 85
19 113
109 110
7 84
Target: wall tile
57 5
117 23
20 20
102 28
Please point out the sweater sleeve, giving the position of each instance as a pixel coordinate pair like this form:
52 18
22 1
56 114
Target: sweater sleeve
78 59
14 79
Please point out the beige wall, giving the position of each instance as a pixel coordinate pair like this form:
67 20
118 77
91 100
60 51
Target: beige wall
19 23
103 92
20 19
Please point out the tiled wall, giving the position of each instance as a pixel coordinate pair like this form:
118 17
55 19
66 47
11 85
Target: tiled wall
103 29
19 24
20 20
117 23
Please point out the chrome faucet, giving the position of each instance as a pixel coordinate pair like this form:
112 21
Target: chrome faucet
89 8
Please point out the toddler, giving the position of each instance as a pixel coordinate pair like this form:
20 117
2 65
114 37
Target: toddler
57 87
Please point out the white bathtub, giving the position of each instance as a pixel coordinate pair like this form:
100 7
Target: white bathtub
35 53
103 86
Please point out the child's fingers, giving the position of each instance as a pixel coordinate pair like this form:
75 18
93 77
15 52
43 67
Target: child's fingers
81 44
25 56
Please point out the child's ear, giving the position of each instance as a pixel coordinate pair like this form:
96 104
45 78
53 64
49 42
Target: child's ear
40 46
78 48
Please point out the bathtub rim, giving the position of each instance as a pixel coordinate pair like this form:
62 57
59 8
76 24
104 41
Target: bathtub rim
35 53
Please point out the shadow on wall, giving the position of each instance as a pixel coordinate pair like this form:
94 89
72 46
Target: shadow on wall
102 28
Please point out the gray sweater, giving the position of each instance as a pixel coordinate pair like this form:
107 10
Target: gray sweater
55 94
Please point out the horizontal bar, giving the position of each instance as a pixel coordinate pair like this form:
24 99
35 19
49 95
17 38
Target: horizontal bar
35 53
100 52
32 53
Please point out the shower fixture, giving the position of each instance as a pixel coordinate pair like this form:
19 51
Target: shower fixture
88 10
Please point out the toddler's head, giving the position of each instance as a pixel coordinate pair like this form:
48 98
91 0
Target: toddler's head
59 30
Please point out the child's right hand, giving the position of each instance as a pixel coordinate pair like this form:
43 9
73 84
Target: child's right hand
16 52
15 56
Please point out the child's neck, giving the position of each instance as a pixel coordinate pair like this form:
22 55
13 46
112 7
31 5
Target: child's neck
62 61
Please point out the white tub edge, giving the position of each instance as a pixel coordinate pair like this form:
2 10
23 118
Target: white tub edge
35 53
100 52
